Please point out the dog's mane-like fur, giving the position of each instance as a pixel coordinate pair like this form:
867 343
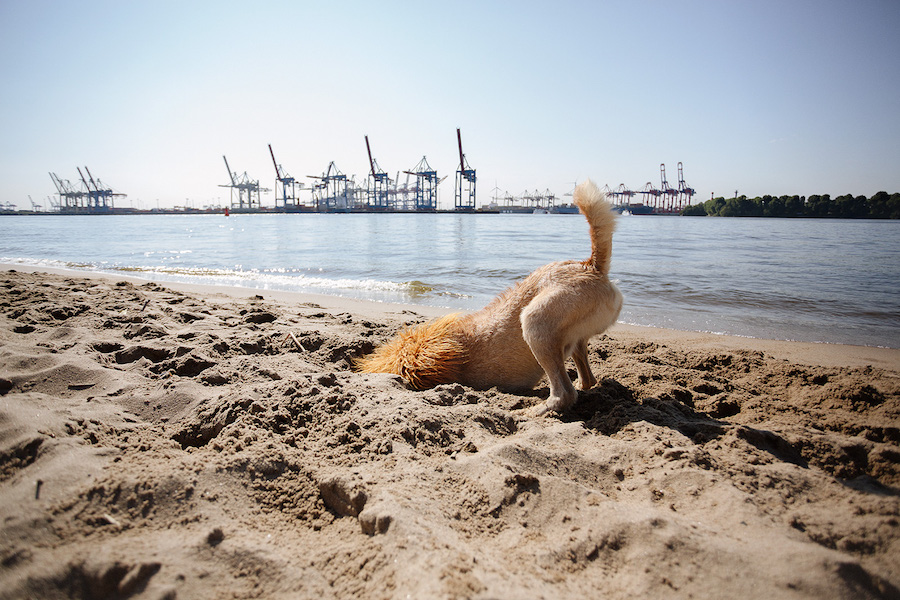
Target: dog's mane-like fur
424 356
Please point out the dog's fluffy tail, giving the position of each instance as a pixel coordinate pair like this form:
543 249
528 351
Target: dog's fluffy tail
424 356
596 208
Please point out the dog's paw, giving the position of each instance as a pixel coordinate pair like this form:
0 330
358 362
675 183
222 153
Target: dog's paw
546 408
562 402
537 411
585 385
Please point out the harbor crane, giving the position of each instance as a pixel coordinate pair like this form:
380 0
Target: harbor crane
663 200
246 190
685 192
402 193
93 197
650 195
91 179
623 195
69 197
105 195
100 198
289 186
93 191
464 191
426 186
670 193
331 192
377 184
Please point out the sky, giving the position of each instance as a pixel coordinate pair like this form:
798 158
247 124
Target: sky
759 97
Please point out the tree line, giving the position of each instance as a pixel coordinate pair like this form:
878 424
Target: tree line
880 206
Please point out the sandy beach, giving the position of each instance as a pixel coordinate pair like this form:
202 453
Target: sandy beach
173 441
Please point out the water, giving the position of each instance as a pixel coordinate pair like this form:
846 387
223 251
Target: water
798 279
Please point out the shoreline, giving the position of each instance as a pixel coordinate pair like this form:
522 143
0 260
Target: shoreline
185 441
811 353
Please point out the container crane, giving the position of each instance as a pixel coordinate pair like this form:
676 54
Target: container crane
650 195
671 194
70 198
549 198
377 184
92 194
96 201
288 185
331 193
623 195
100 196
685 192
91 179
426 186
464 191
103 195
230 174
246 189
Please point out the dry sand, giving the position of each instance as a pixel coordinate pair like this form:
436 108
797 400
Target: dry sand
160 442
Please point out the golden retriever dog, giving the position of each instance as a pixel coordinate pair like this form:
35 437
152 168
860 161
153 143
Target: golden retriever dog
528 331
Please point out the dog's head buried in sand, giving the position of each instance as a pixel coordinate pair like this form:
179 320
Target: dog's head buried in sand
526 332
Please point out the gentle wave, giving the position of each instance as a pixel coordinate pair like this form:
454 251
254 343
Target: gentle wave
265 276
276 279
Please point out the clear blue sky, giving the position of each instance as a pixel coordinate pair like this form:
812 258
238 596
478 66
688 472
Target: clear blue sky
768 96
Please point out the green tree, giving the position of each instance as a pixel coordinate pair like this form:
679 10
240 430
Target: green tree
774 207
894 207
880 206
741 207
819 206
732 208
794 206
884 206
848 207
694 210
713 206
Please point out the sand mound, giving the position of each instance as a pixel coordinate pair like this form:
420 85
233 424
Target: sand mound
162 444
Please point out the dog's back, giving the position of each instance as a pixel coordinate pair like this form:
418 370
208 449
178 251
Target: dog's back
530 329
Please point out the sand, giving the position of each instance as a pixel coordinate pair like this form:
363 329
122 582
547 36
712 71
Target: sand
177 442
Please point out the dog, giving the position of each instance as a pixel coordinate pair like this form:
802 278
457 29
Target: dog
527 332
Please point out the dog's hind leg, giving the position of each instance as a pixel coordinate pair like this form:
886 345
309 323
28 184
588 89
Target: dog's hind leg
586 378
562 392
543 331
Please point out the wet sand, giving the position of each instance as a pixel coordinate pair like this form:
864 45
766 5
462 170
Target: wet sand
172 441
